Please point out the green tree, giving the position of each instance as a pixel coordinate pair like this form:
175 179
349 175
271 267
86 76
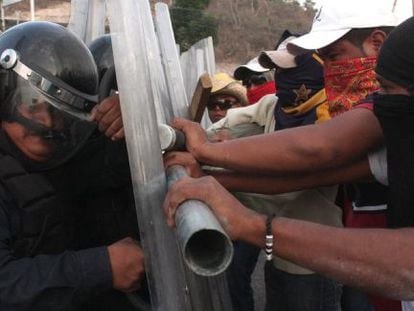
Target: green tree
192 4
191 23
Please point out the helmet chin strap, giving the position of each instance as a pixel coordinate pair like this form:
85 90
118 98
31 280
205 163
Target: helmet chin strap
38 129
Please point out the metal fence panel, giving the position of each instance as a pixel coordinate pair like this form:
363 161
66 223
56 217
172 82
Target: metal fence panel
133 56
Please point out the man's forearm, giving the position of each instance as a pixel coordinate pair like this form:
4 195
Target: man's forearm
376 260
304 149
243 182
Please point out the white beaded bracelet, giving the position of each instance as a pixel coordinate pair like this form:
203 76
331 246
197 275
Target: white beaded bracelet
269 238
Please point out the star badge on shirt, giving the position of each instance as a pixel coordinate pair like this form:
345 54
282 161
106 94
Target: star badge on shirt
302 94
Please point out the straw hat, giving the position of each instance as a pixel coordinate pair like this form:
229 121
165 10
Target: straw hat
223 84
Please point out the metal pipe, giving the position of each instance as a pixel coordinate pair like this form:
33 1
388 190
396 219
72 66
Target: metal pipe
170 138
206 247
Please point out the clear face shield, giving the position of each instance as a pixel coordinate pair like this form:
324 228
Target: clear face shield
54 123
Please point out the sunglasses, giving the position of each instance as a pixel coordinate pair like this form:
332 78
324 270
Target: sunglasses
254 80
222 104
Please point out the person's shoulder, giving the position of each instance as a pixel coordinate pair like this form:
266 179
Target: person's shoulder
268 99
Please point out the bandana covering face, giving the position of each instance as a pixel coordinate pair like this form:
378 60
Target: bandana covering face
347 82
297 85
300 92
260 91
396 116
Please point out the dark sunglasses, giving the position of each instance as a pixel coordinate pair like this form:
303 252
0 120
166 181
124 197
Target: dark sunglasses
254 80
222 104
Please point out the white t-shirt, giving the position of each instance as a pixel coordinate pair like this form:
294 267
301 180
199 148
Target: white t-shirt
407 305
378 165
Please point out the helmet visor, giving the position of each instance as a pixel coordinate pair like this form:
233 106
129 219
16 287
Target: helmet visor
58 131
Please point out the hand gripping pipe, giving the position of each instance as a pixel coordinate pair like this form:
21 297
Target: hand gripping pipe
207 249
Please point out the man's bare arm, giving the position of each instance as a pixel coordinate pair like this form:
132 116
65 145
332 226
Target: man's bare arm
236 181
304 149
376 260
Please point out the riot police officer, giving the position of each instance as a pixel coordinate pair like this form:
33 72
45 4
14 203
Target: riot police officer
59 149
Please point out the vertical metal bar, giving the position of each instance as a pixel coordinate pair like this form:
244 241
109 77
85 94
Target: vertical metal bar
135 80
32 9
78 17
197 60
95 24
185 64
211 60
87 19
159 84
171 62
207 293
3 22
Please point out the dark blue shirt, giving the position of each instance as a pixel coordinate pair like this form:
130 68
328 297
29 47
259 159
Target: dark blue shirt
48 282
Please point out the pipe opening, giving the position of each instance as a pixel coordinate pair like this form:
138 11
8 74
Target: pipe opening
208 252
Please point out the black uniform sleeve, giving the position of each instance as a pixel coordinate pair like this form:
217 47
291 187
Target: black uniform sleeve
49 282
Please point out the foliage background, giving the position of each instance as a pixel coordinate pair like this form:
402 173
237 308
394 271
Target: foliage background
241 28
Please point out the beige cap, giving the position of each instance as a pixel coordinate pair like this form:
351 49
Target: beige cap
226 85
281 57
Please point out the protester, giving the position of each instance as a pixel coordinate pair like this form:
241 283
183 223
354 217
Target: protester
59 154
258 80
376 260
334 143
299 96
245 255
226 93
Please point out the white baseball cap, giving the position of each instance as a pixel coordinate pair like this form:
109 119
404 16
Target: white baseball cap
335 18
280 57
242 71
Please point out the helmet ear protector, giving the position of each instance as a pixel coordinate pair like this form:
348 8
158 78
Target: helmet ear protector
60 94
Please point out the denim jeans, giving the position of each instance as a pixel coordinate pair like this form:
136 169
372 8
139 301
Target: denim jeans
239 276
298 292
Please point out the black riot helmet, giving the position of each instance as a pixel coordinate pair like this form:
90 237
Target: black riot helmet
48 74
101 49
